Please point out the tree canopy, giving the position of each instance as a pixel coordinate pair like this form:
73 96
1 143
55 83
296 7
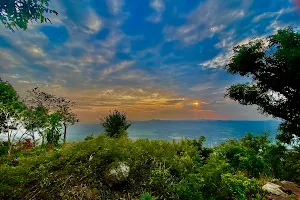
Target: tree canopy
273 65
16 14
9 103
56 109
115 124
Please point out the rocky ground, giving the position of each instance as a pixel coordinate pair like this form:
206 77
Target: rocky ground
282 190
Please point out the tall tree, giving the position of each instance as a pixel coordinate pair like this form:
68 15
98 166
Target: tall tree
35 120
53 130
17 13
64 107
273 66
11 114
52 104
41 105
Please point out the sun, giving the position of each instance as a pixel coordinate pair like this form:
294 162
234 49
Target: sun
196 103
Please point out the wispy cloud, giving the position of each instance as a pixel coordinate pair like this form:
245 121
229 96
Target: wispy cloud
219 61
154 60
93 22
115 6
211 16
116 68
159 7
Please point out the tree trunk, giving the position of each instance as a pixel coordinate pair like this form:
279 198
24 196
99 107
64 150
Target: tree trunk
65 133
43 140
33 138
9 147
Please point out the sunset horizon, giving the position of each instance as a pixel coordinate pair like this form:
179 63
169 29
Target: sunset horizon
153 60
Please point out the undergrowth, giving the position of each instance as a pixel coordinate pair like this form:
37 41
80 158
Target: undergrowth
159 169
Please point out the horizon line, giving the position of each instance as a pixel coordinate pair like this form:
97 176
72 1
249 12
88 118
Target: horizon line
250 120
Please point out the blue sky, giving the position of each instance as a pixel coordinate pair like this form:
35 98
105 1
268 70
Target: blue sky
150 58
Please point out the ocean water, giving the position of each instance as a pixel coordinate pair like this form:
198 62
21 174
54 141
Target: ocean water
215 131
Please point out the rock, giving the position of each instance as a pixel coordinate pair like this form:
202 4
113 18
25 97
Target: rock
282 190
117 173
292 188
274 189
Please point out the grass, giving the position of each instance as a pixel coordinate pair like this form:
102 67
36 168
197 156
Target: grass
158 170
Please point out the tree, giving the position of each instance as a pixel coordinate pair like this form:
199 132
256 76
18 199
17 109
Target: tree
7 95
64 107
273 66
37 98
54 129
35 121
17 13
46 104
115 124
40 106
11 114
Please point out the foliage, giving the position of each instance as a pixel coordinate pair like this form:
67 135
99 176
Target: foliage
11 114
273 66
54 129
35 121
240 187
254 155
198 143
291 165
165 170
64 108
8 101
36 98
17 13
25 144
89 137
115 124
147 196
44 105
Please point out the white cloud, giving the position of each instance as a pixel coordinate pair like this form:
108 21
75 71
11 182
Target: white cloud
115 6
201 87
159 7
219 61
118 67
210 17
93 22
272 14
113 39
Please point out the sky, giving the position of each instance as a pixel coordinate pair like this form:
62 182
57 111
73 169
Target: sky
153 59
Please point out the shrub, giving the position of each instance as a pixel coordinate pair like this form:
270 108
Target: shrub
291 165
147 196
89 137
190 188
24 144
115 124
239 187
167 170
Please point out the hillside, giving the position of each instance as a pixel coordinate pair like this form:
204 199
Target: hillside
109 168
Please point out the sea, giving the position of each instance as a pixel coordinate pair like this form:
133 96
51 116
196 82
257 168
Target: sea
215 131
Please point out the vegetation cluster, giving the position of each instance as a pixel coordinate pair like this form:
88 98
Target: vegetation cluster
153 169
158 169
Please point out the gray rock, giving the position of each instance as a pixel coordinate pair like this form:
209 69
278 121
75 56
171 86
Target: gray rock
117 173
274 189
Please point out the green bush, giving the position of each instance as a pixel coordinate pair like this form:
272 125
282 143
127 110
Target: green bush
167 170
291 165
3 150
115 124
191 187
147 196
239 187
89 137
